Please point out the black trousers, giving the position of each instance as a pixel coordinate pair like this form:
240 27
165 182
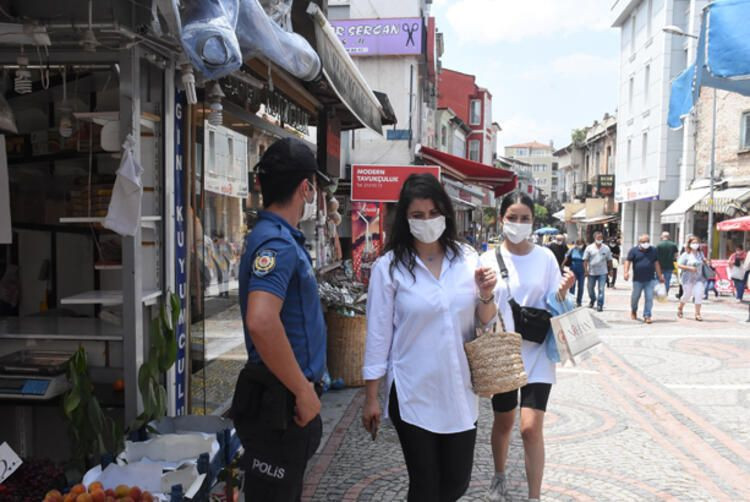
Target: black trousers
439 465
276 448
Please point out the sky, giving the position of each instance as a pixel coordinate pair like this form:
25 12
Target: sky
551 65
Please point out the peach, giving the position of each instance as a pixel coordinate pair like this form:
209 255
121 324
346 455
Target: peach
98 495
109 492
135 493
147 497
69 497
54 496
84 497
127 499
96 485
122 491
78 489
109 499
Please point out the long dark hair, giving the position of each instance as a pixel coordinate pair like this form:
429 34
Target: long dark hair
516 198
400 241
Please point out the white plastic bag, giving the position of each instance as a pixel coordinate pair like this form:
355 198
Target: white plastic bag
660 292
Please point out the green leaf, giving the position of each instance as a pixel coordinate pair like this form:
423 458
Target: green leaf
72 401
95 416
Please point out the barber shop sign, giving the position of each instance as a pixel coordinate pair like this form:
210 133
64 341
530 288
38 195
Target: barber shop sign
381 37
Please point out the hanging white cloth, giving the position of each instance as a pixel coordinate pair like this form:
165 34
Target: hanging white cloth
6 232
124 214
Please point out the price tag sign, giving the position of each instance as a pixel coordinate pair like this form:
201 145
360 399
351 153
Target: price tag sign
9 462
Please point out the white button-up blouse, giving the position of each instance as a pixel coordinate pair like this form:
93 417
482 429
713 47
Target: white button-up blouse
416 330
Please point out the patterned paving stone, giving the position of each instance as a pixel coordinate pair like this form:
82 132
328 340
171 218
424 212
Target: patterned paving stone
661 413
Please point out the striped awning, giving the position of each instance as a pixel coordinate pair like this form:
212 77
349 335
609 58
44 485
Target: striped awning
729 201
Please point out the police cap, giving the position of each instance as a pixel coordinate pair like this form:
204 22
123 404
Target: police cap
289 155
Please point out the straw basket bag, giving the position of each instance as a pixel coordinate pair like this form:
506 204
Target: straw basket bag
495 361
346 347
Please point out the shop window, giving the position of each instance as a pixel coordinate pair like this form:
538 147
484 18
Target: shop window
475 117
474 150
745 133
443 136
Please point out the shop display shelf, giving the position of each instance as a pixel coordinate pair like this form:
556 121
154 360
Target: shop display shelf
60 329
107 298
148 120
146 221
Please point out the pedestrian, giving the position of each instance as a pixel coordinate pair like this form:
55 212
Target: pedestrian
276 405
683 250
596 262
574 260
614 248
425 296
691 276
710 276
559 249
667 252
737 272
533 275
646 268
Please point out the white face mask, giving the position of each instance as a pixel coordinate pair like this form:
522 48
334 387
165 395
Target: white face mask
311 208
695 246
599 242
427 231
516 232
645 245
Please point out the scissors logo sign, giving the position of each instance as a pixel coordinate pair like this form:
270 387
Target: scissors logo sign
411 30
9 462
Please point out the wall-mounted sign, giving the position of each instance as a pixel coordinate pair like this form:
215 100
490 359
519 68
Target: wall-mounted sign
605 185
372 183
180 255
380 37
225 161
398 134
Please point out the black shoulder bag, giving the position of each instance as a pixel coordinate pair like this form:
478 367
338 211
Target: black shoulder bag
532 323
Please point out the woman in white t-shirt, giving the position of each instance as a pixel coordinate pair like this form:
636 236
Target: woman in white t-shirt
425 298
533 274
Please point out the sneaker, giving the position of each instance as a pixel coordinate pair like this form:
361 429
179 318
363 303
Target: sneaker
498 489
648 320
633 316
599 308
591 305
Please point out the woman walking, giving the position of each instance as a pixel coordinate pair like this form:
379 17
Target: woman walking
424 299
574 260
737 272
533 275
693 283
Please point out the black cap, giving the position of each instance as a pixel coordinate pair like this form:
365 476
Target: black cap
290 155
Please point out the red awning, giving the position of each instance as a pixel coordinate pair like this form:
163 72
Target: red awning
501 180
741 224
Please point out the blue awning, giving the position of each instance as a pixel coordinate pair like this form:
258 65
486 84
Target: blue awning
723 58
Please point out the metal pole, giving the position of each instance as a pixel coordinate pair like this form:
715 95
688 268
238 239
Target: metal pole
711 189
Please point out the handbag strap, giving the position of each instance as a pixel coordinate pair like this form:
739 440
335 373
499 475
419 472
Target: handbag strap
503 270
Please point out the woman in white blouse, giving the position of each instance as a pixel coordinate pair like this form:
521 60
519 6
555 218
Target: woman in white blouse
426 296
533 275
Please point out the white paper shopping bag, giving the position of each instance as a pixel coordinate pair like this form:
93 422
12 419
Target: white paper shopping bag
575 334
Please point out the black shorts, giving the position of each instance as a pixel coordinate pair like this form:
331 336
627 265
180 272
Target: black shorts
533 395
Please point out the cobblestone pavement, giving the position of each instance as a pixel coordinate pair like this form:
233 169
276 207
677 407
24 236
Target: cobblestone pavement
661 413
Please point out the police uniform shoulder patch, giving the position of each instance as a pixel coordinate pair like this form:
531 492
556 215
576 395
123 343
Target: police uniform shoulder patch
265 262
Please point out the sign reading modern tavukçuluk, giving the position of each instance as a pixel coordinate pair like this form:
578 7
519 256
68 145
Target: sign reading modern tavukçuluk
606 185
380 37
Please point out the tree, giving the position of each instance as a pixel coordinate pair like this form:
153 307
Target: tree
578 135
541 214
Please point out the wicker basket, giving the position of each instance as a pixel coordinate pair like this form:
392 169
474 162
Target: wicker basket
346 347
495 362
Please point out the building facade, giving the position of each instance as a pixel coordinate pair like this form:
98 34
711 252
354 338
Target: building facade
544 166
450 132
652 161
473 105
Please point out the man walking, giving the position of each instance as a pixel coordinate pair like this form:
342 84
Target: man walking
645 263
559 249
667 253
276 405
596 262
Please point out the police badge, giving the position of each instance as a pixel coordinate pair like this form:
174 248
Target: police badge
265 262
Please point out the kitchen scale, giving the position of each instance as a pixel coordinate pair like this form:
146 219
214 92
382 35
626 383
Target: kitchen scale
33 374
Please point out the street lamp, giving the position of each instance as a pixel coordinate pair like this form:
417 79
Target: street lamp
676 30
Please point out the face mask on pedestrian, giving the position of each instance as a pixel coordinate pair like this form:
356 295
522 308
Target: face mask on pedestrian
311 207
599 242
516 232
427 231
695 246
645 245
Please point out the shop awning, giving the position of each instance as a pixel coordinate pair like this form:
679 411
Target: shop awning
343 75
501 180
675 212
600 220
728 201
560 215
462 204
741 224
579 216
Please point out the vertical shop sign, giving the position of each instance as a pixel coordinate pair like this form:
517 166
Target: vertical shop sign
180 255
367 237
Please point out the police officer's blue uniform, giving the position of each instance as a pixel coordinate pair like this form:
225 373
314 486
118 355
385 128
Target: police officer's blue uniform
275 261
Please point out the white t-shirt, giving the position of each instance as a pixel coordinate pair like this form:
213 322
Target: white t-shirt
416 330
532 277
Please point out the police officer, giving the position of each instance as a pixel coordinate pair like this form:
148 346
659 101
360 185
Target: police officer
276 404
